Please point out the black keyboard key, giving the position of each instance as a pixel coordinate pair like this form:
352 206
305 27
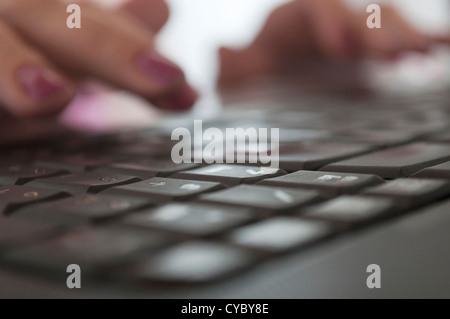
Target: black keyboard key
281 234
20 174
83 209
193 263
350 211
13 197
311 156
15 232
299 135
86 182
410 192
328 184
441 171
146 168
144 150
77 162
191 219
262 199
165 189
441 137
93 249
229 174
379 138
395 162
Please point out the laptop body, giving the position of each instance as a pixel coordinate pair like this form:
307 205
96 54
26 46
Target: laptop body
360 206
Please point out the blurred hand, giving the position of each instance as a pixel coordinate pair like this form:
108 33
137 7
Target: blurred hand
320 29
41 60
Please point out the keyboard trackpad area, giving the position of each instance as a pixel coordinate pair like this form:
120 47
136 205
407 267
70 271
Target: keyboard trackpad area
412 253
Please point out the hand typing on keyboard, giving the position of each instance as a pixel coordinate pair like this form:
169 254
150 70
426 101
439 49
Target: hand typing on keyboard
320 30
41 59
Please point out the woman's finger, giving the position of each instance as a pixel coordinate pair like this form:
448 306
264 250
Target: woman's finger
29 84
152 13
181 101
444 39
408 37
329 25
109 46
394 37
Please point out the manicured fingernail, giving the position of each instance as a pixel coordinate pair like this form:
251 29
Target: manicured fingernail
347 43
183 100
39 82
158 68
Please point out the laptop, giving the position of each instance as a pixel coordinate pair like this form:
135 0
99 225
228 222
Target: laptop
353 203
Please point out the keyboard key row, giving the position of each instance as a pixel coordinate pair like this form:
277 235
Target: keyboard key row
262 199
351 211
411 192
13 197
91 249
192 262
328 184
190 219
75 163
312 156
229 174
83 209
146 168
21 174
280 234
165 189
17 232
85 182
439 171
395 162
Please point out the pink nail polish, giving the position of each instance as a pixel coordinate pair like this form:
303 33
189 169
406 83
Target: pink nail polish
39 82
183 100
348 45
158 68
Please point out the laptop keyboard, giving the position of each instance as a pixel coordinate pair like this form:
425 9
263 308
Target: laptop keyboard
118 206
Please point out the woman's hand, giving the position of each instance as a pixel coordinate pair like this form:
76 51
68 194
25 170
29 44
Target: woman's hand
41 59
319 29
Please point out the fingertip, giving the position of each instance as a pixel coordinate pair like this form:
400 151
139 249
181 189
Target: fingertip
39 82
48 107
43 91
181 100
339 43
161 71
445 39
346 45
153 14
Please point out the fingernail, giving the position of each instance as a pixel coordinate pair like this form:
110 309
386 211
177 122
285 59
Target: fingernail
183 100
39 82
158 68
347 43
